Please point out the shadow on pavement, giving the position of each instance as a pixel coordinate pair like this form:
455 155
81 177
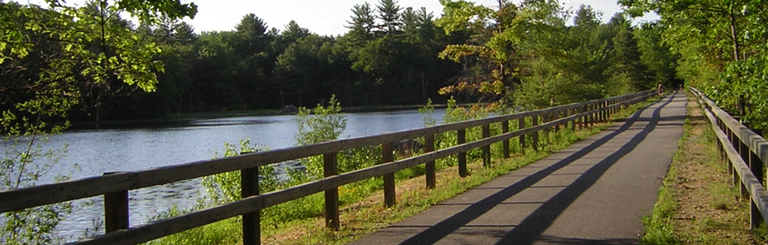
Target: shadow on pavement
531 228
567 241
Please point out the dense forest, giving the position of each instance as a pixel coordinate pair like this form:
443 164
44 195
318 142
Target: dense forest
525 55
722 48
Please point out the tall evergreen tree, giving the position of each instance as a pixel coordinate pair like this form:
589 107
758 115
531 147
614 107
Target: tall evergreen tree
252 35
626 66
361 25
586 17
252 80
184 34
389 14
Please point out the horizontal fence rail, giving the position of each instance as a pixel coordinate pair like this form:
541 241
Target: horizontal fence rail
746 154
115 186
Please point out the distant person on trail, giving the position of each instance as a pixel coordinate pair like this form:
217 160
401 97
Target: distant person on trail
681 86
661 89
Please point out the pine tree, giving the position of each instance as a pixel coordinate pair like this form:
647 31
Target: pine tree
389 14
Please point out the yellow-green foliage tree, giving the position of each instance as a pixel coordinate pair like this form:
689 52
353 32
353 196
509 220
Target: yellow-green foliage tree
493 56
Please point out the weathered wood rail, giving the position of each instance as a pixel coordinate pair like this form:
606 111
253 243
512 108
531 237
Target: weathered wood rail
745 153
115 186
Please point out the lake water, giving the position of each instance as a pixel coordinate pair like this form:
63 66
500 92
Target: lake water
100 151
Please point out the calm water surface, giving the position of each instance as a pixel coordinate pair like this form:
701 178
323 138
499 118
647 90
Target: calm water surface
94 152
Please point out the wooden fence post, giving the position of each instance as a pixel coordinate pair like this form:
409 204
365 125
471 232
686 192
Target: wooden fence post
521 125
389 179
597 112
601 111
550 129
592 115
505 143
588 117
729 135
563 113
585 118
545 133
330 168
757 167
755 217
580 120
116 215
487 148
461 138
744 154
249 186
611 111
535 136
735 144
624 104
574 111
611 108
722 146
429 146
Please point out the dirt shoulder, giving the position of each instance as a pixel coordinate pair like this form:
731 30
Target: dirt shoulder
699 204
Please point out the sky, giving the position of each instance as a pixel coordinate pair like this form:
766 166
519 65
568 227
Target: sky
324 17
327 17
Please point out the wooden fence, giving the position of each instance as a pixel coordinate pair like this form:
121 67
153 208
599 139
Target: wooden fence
746 154
115 186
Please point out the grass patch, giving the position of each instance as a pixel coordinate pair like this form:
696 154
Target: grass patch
697 202
227 231
658 226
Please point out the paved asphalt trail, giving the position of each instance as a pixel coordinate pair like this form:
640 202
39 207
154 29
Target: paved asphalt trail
594 192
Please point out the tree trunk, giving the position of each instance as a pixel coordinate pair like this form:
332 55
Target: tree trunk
734 36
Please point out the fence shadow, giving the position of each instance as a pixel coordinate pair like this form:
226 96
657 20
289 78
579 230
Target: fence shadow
534 225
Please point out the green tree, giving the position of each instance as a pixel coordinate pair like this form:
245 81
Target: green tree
174 87
586 17
586 61
292 33
184 34
252 82
721 48
425 70
492 58
52 57
324 123
656 54
361 25
301 70
627 71
214 72
389 14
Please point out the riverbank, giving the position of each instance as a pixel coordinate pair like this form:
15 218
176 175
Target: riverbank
186 119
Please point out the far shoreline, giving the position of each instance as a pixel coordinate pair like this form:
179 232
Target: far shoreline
184 119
